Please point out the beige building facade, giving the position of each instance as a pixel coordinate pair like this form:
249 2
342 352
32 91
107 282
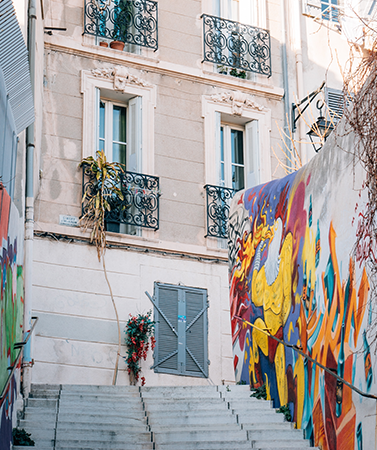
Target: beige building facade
195 102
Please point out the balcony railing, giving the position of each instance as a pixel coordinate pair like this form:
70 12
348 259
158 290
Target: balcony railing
236 45
139 206
130 21
218 200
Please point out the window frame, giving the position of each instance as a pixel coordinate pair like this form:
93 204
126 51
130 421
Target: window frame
249 113
123 87
227 148
109 127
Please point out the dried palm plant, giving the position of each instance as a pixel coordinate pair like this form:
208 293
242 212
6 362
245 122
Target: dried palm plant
103 186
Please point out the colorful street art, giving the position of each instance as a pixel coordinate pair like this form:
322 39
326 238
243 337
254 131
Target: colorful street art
11 307
293 273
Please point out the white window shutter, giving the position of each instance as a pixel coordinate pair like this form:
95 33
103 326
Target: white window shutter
246 12
218 146
134 138
252 154
216 8
96 131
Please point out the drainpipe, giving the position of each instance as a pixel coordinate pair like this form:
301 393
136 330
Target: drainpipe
29 211
299 75
287 106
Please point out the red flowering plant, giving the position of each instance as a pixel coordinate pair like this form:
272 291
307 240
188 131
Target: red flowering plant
139 329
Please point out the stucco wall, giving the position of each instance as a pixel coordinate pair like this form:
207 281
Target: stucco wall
293 272
76 337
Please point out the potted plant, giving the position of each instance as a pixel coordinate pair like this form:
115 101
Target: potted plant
122 21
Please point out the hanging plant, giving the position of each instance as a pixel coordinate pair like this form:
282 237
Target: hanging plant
99 192
139 329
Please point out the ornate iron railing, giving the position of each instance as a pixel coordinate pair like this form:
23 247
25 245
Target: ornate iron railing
140 203
130 21
236 45
218 200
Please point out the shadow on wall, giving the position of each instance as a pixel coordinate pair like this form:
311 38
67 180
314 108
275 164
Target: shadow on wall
293 272
11 308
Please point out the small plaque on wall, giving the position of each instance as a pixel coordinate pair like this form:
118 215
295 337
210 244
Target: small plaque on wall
71 221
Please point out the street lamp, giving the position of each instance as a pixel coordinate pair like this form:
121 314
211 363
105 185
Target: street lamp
320 129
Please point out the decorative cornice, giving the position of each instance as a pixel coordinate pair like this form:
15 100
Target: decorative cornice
122 78
238 101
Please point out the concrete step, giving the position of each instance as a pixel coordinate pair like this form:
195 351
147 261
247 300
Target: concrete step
200 428
86 388
185 406
249 403
204 445
101 445
186 419
94 434
268 427
292 434
280 445
198 436
262 417
42 403
127 417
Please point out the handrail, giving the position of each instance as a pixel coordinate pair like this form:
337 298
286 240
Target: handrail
19 345
295 348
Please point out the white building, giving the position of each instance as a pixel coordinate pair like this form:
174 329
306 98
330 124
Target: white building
194 100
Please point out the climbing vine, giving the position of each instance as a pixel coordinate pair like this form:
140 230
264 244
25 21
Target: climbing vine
360 90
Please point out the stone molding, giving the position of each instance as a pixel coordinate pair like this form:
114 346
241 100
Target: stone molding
121 77
238 101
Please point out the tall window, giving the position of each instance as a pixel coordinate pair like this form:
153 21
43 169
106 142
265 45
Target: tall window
119 136
112 131
232 159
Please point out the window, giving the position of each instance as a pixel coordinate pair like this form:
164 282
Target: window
112 131
232 161
330 10
181 330
237 153
118 117
119 130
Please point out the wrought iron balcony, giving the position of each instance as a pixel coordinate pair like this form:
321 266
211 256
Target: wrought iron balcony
139 206
218 200
236 45
130 21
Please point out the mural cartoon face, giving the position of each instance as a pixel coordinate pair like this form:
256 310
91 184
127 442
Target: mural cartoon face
291 274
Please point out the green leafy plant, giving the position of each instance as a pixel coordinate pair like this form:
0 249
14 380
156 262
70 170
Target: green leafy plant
103 186
238 74
241 382
139 329
122 19
21 437
260 392
286 411
227 388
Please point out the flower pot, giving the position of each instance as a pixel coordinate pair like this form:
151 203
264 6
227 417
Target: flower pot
117 45
103 44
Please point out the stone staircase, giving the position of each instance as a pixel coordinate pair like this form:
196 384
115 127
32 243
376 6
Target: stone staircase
86 417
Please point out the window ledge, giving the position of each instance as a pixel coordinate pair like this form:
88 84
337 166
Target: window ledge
130 242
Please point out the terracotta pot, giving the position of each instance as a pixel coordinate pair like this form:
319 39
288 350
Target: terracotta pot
103 44
117 45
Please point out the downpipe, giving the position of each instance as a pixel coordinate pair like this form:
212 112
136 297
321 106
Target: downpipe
27 362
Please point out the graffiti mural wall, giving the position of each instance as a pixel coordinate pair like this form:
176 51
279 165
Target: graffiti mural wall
11 308
293 272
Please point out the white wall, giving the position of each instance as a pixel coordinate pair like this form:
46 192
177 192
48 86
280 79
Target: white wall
76 337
